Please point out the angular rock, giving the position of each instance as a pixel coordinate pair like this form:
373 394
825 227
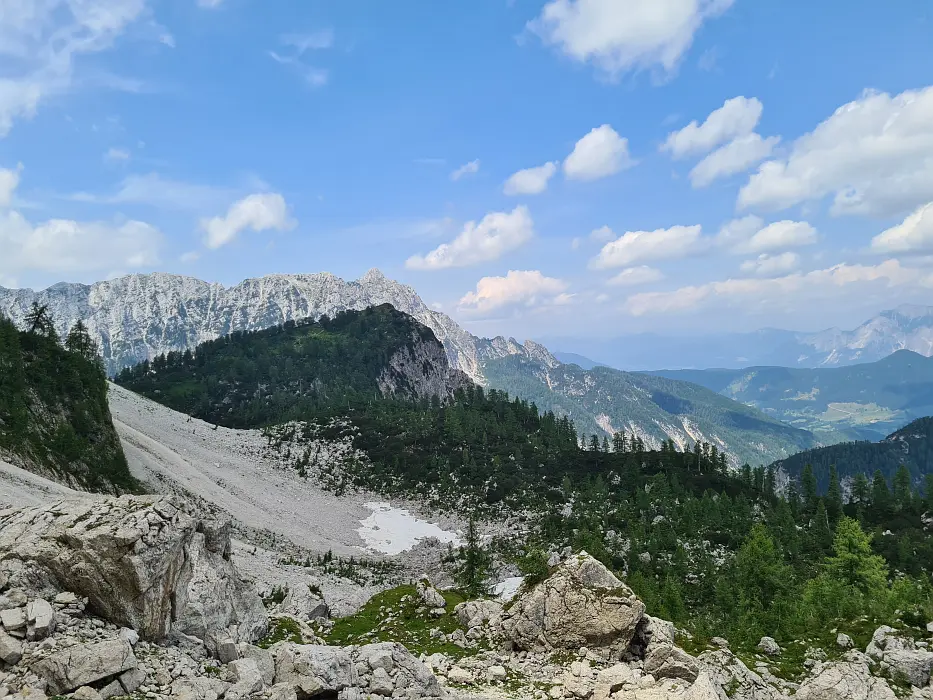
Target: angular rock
460 676
612 680
141 562
11 649
844 680
282 691
111 690
263 658
768 646
381 682
478 613
13 619
40 620
844 641
246 679
702 689
430 596
668 661
86 692
580 604
331 666
83 664
726 671
199 688
302 604
132 679
912 665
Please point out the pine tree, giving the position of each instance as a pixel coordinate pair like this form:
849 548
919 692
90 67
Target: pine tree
80 342
903 491
880 496
472 564
808 486
834 495
39 321
861 491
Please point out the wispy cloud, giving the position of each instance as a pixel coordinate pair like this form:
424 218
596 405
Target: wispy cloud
297 46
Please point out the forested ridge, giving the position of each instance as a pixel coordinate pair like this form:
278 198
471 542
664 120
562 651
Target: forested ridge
910 447
716 550
297 370
54 417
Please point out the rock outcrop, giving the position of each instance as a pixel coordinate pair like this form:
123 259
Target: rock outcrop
142 563
849 679
581 604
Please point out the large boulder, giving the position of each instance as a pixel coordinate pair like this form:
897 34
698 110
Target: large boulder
844 680
580 604
82 664
140 560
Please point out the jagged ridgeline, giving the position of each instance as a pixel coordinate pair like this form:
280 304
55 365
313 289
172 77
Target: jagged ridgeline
54 418
910 447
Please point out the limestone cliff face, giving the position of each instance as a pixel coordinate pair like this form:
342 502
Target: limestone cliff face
421 370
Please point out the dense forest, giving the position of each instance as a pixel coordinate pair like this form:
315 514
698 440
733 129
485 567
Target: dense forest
716 550
54 417
910 447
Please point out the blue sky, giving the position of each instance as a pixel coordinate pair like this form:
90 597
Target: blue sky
227 139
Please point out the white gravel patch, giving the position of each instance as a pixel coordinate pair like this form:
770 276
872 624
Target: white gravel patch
391 530
20 488
170 452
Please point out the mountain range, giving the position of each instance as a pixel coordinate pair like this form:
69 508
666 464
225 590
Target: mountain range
865 401
905 328
139 317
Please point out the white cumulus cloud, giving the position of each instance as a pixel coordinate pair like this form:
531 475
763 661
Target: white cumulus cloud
470 168
639 246
779 235
602 152
636 276
518 288
766 265
495 235
913 235
530 180
66 246
622 36
735 157
258 212
873 156
737 117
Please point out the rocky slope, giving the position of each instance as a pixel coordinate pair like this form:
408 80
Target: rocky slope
140 316
656 409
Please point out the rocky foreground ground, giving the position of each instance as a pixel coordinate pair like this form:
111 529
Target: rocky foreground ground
134 596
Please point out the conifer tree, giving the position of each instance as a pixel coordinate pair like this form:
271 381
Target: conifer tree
834 495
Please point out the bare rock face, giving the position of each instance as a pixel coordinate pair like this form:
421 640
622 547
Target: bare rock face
580 604
140 561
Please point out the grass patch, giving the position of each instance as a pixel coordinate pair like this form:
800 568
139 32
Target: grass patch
284 629
397 615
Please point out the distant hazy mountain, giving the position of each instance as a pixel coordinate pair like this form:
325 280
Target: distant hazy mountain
865 401
904 328
141 316
572 358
